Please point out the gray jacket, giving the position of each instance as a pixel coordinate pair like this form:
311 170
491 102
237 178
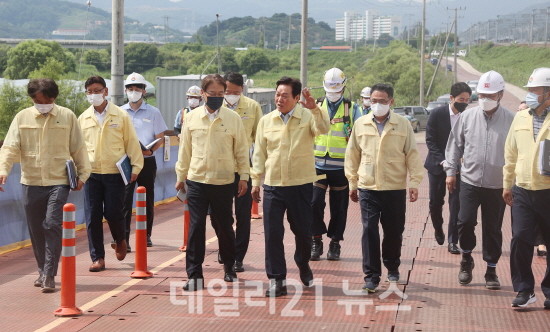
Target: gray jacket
479 141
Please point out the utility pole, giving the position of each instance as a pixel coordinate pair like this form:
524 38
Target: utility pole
289 27
455 23
117 52
166 18
531 30
496 32
218 43
546 27
303 55
422 53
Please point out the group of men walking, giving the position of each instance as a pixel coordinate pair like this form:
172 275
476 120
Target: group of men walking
483 156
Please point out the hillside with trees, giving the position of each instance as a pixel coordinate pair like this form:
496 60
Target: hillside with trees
38 19
266 31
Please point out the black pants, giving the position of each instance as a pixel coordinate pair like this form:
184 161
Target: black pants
44 212
438 188
529 215
492 213
338 203
243 214
387 208
104 197
146 178
296 201
220 199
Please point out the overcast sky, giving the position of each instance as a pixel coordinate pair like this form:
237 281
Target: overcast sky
186 13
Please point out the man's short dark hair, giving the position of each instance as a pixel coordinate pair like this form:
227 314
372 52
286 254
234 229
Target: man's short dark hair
387 88
93 80
234 78
210 79
46 86
459 88
295 84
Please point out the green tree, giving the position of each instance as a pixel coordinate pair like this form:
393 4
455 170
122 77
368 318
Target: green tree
12 100
51 69
101 59
4 57
252 61
138 57
32 54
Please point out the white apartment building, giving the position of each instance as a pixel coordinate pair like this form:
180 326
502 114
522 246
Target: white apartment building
355 26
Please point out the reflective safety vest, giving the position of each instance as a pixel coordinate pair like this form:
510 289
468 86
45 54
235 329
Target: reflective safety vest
335 141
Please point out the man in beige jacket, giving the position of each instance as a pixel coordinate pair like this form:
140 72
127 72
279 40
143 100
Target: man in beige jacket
380 153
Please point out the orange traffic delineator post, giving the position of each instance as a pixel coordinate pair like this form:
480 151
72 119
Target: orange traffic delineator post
186 221
140 268
68 265
255 214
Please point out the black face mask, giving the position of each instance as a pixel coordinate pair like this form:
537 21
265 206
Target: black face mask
214 103
460 107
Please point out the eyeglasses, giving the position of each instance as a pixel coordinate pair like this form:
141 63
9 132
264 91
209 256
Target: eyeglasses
380 101
94 92
215 94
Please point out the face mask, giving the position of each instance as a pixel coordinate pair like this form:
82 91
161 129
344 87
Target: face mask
133 96
380 109
460 107
333 96
232 100
532 100
95 99
193 102
366 102
44 108
487 104
214 103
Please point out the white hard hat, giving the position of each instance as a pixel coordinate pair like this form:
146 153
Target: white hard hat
365 92
334 80
539 77
194 91
490 82
135 78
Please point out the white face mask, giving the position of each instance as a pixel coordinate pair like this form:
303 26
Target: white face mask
380 109
96 99
366 102
487 104
232 100
44 108
333 96
193 102
133 96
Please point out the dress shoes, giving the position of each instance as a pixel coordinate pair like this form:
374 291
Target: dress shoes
316 249
439 235
230 276
48 284
121 250
98 265
149 242
194 284
238 267
453 249
38 281
306 275
276 288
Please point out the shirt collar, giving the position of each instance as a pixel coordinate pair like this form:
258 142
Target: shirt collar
451 113
384 121
544 113
289 114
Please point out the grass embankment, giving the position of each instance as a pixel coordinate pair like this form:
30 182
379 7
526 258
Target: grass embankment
515 63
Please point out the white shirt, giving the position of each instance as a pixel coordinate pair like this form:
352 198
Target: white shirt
100 116
454 117
286 116
212 116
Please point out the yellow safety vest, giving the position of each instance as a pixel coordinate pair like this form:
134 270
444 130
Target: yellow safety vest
335 141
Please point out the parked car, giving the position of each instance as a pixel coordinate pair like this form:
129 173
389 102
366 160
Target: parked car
433 61
435 104
473 86
462 53
446 98
449 67
418 113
